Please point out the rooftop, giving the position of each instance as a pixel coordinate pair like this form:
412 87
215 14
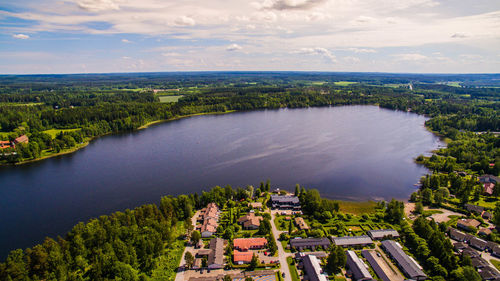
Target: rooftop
245 244
381 233
352 240
313 268
408 264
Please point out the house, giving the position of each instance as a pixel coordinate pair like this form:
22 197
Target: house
352 241
484 231
250 221
255 205
488 182
470 253
488 273
209 217
301 223
495 251
383 233
309 243
245 244
285 202
467 224
203 253
458 246
357 267
242 257
21 139
407 264
6 144
490 245
487 215
479 262
478 243
216 256
378 266
457 235
474 208
313 268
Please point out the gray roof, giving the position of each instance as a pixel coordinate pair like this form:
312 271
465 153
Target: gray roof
457 234
309 242
381 233
405 262
489 178
488 273
216 257
478 243
313 268
357 267
352 240
474 208
377 267
479 262
470 252
285 199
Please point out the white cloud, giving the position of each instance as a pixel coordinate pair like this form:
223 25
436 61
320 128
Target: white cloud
98 5
317 51
126 41
411 57
184 21
21 36
289 4
362 50
233 47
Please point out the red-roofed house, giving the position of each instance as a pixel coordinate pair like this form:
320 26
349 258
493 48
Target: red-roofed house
21 139
242 257
245 244
5 144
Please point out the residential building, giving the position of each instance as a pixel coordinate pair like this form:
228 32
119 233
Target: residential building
406 263
352 241
245 244
21 139
458 246
285 202
487 215
479 262
474 208
6 144
488 182
313 268
467 224
216 256
250 221
376 264
484 231
301 223
357 267
309 243
383 234
478 243
471 253
489 273
209 217
242 257
456 234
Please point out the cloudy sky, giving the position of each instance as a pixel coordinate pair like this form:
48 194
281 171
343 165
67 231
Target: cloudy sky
87 36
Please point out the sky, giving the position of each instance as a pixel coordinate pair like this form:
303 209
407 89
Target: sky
100 36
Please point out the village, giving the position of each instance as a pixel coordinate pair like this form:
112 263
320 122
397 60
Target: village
268 237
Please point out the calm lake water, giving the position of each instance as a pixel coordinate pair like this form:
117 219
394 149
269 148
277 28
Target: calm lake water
349 152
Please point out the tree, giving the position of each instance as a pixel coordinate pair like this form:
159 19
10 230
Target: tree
395 211
419 208
248 278
496 215
290 227
254 263
466 273
268 185
227 278
195 236
336 259
427 196
204 261
189 258
297 190
496 189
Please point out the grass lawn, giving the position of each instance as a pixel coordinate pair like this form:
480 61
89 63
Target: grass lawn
344 83
169 98
293 269
357 208
496 263
54 132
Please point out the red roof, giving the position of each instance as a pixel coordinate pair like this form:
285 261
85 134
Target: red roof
21 139
242 256
245 244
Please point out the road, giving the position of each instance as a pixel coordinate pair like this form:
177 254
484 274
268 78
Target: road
180 274
281 252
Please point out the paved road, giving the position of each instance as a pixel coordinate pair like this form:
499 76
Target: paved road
180 274
281 252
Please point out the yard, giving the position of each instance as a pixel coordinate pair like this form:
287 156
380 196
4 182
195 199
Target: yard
169 98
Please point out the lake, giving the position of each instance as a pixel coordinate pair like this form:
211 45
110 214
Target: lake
348 152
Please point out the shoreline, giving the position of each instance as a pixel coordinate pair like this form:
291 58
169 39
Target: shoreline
87 142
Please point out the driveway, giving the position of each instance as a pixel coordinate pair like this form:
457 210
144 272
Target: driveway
180 273
281 252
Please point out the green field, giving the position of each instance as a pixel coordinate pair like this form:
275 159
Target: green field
344 83
357 208
169 98
293 270
54 132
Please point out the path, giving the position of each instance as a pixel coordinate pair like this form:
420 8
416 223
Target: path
180 270
281 252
